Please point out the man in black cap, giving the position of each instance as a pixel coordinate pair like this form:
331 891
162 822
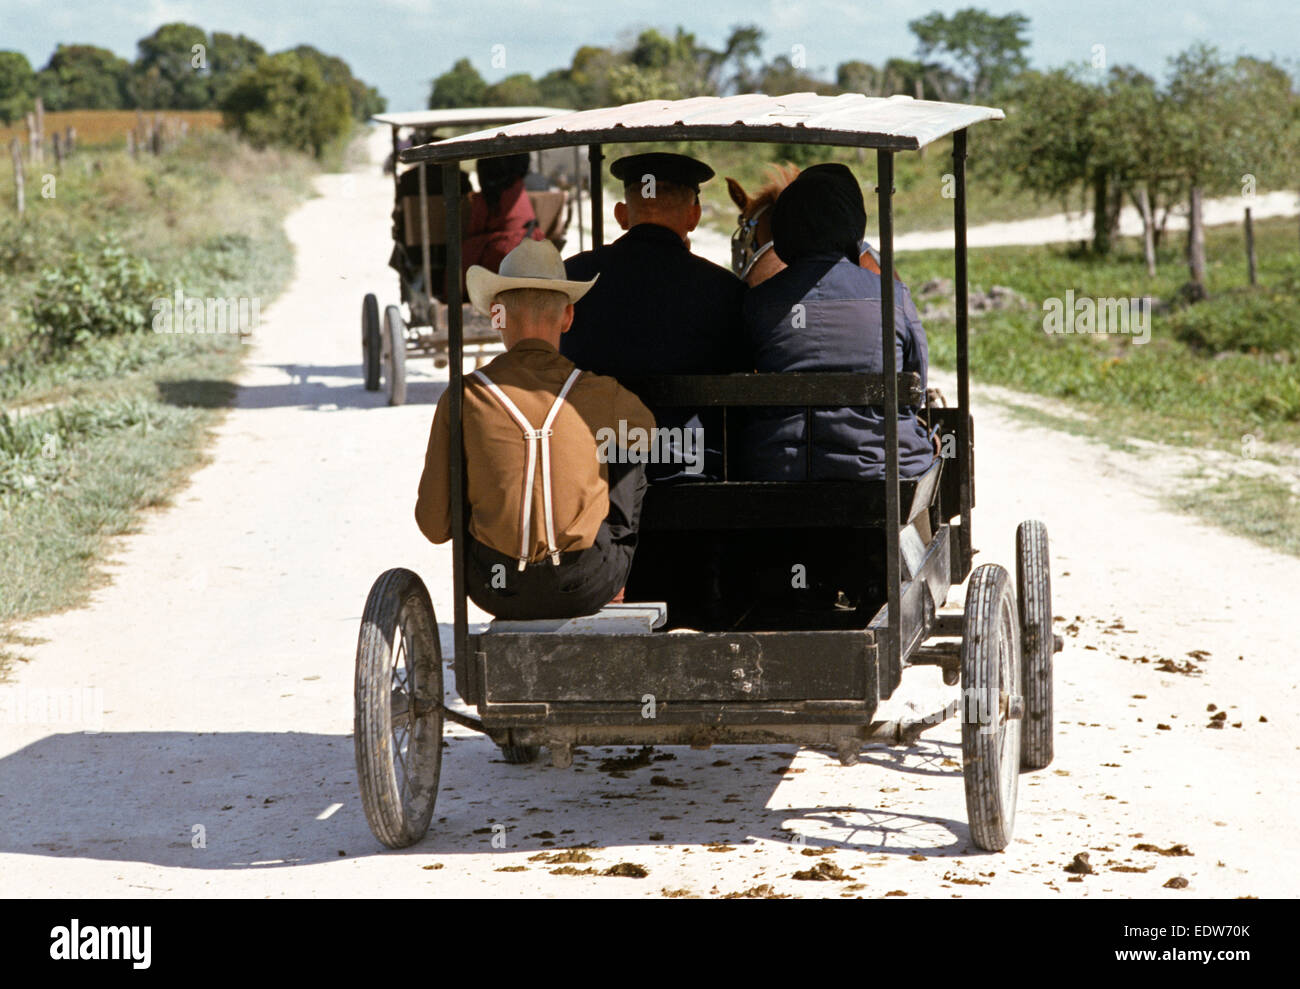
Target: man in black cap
659 309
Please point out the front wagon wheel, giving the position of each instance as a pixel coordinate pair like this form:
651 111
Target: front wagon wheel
992 706
397 728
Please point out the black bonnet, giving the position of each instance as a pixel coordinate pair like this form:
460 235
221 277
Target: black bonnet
820 212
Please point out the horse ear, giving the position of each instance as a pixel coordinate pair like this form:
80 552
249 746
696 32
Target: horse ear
738 195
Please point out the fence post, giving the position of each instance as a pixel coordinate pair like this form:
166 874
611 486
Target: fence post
130 143
38 149
70 140
1250 248
56 142
16 149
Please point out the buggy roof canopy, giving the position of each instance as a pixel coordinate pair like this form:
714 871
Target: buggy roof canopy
897 123
466 116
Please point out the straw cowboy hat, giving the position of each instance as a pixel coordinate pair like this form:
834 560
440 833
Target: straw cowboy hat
533 264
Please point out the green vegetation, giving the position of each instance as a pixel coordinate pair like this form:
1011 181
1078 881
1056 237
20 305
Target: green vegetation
300 98
284 100
1222 374
1210 374
1214 127
105 418
962 57
1257 508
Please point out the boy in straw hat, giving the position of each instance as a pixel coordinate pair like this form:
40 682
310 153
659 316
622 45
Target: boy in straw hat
553 512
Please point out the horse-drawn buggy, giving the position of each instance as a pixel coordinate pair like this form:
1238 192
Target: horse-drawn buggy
417 327
630 674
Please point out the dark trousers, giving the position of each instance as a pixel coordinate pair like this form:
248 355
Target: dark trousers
582 583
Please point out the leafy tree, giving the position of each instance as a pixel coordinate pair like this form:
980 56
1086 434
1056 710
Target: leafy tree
461 85
590 72
1200 100
557 88
365 100
228 56
923 80
1133 144
781 76
514 90
170 73
284 100
629 84
987 51
17 85
83 77
743 47
858 77
1048 144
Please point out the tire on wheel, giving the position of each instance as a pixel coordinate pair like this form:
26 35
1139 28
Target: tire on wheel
1034 591
397 729
990 729
371 344
395 355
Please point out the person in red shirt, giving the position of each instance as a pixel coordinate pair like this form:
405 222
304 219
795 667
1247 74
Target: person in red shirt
501 215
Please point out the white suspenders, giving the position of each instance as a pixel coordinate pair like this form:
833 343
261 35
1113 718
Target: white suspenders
536 440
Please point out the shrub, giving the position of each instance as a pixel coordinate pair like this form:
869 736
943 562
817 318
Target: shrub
97 293
1263 320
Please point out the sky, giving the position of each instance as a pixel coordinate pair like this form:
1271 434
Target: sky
401 45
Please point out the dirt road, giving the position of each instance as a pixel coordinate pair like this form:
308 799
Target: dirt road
223 648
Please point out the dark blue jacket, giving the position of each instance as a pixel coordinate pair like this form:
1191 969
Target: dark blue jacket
838 329
659 309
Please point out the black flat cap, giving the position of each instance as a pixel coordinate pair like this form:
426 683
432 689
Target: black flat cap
677 169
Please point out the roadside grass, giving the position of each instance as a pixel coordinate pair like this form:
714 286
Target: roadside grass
1258 508
94 434
1174 389
1223 374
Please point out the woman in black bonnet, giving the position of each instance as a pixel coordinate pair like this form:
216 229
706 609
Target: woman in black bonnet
822 313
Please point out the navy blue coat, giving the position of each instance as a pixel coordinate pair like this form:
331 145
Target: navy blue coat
840 331
659 309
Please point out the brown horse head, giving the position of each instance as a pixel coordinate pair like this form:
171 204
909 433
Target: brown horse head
752 257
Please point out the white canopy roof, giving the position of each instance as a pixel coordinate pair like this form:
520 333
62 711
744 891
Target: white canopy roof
899 123
466 116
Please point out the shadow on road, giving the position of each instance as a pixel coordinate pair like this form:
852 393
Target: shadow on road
322 388
257 800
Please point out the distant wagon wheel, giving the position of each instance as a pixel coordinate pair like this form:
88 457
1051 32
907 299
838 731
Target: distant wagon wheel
395 355
371 346
1037 643
992 706
398 719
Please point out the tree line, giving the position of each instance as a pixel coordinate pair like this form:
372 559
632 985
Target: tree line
300 97
1212 125
963 57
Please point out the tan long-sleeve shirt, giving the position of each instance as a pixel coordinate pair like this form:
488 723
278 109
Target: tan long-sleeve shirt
531 374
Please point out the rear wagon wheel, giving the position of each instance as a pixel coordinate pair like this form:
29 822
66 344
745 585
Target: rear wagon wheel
371 343
397 731
991 706
1037 643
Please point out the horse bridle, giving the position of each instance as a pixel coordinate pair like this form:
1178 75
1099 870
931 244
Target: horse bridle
745 251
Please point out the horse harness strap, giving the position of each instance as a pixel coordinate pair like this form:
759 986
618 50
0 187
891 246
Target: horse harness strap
740 246
538 442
